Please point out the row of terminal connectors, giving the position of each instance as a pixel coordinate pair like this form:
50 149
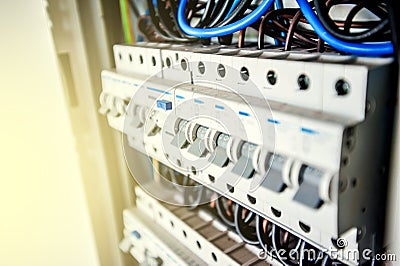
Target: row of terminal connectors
250 159
112 105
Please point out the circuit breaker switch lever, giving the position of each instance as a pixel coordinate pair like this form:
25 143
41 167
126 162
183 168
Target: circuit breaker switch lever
180 139
275 180
104 100
219 156
244 166
310 180
198 147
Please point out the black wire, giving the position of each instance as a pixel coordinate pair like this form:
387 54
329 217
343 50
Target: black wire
193 9
238 13
214 12
169 22
220 12
243 226
167 17
214 15
292 244
147 29
174 11
156 21
206 18
350 17
330 26
264 238
275 246
225 40
273 25
222 212
166 20
134 8
192 4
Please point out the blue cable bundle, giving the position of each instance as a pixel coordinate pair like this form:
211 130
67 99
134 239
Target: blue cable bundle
368 49
223 30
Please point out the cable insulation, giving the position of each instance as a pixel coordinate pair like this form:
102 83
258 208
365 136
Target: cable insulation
222 30
369 49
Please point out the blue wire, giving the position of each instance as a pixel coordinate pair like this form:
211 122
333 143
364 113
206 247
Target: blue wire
234 5
223 30
370 49
279 5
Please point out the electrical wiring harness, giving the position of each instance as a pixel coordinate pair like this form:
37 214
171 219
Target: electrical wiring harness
308 27
252 228
259 231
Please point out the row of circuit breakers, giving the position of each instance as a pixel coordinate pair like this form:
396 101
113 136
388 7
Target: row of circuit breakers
300 139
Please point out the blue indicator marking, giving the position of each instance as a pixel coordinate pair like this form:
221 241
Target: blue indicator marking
180 97
273 121
165 105
244 113
198 101
219 107
308 131
136 234
157 90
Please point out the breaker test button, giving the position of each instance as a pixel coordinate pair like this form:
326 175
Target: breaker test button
165 105
136 234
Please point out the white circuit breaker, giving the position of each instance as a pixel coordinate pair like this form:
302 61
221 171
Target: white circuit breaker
300 142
